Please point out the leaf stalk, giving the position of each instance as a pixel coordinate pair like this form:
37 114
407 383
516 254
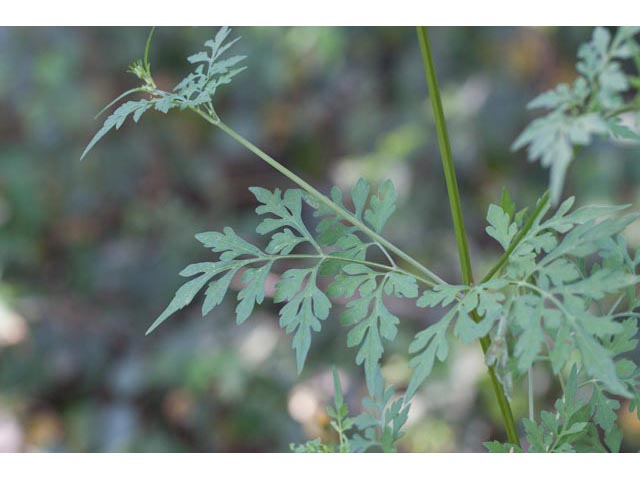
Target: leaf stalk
433 277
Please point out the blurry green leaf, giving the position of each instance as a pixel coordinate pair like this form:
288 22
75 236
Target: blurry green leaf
497 447
587 108
428 345
195 91
619 130
382 420
117 118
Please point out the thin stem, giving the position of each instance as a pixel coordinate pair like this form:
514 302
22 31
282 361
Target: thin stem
543 293
320 197
530 381
631 107
447 159
117 99
458 221
147 47
615 305
561 380
380 266
386 254
315 246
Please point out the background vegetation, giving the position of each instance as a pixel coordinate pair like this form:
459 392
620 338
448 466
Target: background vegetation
89 252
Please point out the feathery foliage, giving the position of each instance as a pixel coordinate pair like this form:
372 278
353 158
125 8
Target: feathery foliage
562 295
305 304
196 90
592 106
574 426
549 299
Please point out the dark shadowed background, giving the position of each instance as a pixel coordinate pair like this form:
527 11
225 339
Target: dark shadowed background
89 252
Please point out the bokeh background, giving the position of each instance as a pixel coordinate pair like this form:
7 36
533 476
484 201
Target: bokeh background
89 252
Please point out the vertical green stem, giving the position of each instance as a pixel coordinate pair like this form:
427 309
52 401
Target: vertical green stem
447 159
458 221
530 391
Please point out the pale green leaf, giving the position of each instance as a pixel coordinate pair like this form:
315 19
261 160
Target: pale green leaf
306 307
500 226
382 205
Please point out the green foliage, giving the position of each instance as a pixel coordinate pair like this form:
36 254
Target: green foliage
305 304
340 422
591 106
343 239
546 300
382 421
195 91
312 446
564 291
498 447
431 343
377 428
339 414
573 427
369 319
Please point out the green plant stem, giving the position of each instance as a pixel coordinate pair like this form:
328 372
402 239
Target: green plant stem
319 196
458 221
147 47
530 391
447 161
380 266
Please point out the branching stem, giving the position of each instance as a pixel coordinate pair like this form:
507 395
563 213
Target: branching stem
458 221
380 266
320 197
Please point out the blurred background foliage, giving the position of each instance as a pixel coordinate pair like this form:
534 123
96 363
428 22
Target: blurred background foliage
89 252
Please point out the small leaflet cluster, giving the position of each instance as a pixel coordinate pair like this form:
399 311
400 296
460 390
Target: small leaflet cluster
341 423
591 106
195 91
381 422
574 426
377 428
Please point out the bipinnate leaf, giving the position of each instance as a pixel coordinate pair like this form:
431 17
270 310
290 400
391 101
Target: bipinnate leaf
195 91
500 226
544 300
305 305
428 345
588 108
382 420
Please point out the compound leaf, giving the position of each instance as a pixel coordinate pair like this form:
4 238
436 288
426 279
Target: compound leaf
587 108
